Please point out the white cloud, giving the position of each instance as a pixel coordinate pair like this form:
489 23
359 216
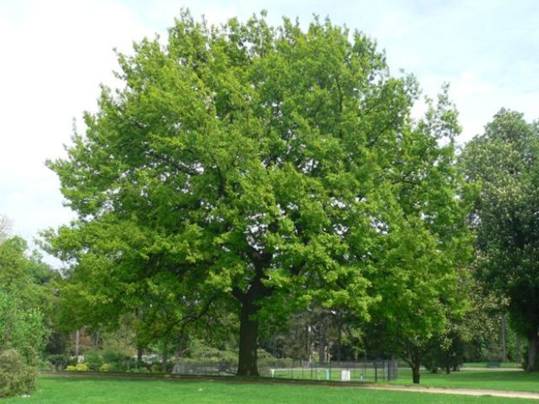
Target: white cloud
55 54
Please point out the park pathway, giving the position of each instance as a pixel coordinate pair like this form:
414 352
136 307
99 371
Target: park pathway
458 391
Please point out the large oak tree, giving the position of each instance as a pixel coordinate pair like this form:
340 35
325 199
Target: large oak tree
250 167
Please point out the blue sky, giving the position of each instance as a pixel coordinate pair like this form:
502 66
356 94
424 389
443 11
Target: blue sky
56 52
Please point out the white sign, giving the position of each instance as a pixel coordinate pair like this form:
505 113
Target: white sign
345 375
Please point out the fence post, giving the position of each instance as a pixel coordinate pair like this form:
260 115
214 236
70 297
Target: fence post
375 372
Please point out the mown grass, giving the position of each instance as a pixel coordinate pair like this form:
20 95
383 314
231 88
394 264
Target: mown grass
476 379
506 365
107 390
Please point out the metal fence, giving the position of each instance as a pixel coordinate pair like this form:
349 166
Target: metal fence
193 368
363 371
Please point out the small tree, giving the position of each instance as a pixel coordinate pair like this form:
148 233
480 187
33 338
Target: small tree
420 273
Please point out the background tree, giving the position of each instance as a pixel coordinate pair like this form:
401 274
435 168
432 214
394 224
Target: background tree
503 163
482 324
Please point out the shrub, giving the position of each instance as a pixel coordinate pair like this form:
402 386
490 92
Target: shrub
21 328
105 367
118 361
200 351
156 368
58 361
15 376
44 365
139 370
79 367
93 360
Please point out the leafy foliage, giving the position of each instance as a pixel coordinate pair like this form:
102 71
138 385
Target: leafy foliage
16 377
23 300
421 275
259 169
503 163
19 328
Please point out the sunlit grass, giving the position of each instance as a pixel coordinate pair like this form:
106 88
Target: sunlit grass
107 390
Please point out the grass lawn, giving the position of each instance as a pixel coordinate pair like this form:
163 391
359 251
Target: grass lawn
484 365
475 379
100 390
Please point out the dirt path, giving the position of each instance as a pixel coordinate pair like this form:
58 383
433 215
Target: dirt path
464 392
494 369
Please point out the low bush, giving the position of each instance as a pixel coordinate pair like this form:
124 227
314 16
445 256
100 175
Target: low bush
15 376
119 362
106 367
82 367
59 361
93 360
156 368
79 367
141 369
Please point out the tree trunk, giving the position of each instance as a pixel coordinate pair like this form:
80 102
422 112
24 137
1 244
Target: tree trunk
415 363
339 339
504 337
247 363
322 345
518 354
164 358
77 344
140 352
308 350
533 341
415 373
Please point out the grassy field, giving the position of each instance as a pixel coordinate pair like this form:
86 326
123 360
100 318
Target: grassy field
476 379
52 390
484 365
